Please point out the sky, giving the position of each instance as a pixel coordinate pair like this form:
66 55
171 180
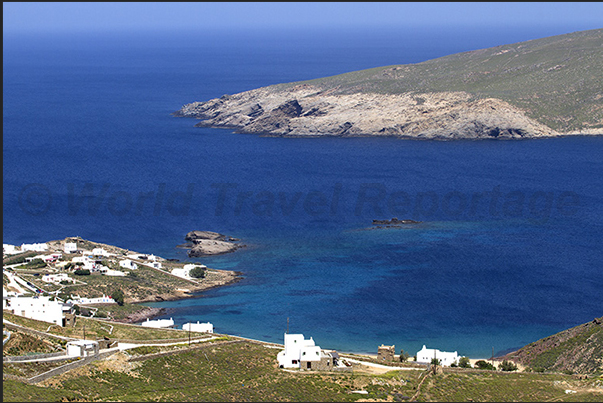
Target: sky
31 17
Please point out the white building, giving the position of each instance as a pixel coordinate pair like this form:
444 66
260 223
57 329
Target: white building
110 272
158 323
82 348
425 355
36 247
8 249
39 308
99 252
139 256
70 247
298 349
155 261
88 263
128 264
184 273
50 258
199 327
80 259
105 299
57 278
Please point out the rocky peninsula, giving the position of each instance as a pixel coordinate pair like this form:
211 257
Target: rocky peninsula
137 277
530 89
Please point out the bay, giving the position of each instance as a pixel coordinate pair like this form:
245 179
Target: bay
508 250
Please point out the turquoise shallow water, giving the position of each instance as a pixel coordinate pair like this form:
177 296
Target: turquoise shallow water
461 286
509 250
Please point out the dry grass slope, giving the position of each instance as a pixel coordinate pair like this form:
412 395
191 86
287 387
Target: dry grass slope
576 350
557 80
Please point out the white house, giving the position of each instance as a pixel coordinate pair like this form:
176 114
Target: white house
115 273
70 247
82 348
154 261
184 273
110 272
80 259
99 252
301 353
158 323
89 263
105 299
57 278
128 264
199 327
8 249
50 258
139 256
425 355
39 308
36 247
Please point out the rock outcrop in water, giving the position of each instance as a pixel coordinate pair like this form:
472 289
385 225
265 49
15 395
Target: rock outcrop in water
395 221
208 243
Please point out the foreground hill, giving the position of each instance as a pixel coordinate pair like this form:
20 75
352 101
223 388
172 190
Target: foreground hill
539 88
579 349
247 371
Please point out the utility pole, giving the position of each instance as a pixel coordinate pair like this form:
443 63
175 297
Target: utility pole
84 330
492 356
287 325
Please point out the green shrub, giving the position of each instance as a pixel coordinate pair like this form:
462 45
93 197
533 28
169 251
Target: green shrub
82 272
197 272
507 366
481 364
464 362
118 296
36 264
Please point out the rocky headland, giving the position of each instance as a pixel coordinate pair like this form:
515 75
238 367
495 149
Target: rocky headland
208 243
530 89
306 110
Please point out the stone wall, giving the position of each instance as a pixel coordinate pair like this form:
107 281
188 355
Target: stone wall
33 357
325 364
68 367
386 353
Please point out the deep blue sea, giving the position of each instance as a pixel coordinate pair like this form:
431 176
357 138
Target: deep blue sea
508 251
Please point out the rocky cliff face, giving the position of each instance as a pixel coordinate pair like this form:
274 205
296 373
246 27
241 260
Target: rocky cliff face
306 110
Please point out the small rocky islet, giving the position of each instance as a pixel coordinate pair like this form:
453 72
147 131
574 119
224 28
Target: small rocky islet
209 243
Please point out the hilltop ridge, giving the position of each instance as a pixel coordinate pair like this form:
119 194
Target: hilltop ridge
579 350
540 88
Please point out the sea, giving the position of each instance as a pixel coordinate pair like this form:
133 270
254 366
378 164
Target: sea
508 249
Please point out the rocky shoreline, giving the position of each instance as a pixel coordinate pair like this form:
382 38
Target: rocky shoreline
305 111
227 278
518 91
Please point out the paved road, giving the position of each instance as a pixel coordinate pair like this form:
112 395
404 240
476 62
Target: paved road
374 365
